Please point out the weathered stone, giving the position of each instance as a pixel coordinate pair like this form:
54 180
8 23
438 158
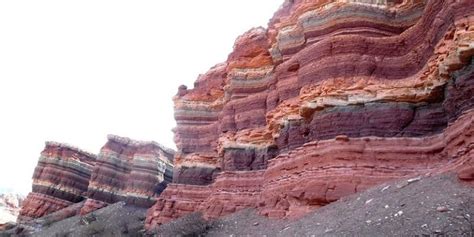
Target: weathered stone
332 98
127 170
61 179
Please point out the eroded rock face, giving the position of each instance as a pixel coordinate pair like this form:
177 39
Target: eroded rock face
60 179
232 191
131 171
125 170
332 98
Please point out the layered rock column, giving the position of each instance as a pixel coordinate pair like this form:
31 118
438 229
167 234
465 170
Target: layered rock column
128 170
60 179
125 170
228 99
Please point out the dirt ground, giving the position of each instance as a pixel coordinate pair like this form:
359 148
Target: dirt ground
421 206
115 220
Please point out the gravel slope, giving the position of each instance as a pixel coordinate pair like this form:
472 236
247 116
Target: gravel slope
115 220
423 206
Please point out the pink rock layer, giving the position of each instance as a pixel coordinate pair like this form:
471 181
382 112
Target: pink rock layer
60 179
127 170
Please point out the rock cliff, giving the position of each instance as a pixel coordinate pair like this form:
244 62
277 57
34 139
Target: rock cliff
131 171
332 98
60 179
125 170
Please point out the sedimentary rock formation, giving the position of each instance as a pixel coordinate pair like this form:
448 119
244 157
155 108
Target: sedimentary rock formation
332 98
232 191
74 181
131 171
60 179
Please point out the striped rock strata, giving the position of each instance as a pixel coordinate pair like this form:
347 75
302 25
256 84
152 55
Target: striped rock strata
60 179
69 181
131 171
232 191
338 95
321 172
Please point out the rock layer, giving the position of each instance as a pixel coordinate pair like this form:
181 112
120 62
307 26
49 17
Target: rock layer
131 171
232 191
332 98
125 170
60 179
321 172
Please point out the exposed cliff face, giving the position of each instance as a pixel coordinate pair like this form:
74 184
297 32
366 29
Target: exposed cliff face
60 179
125 170
334 97
131 171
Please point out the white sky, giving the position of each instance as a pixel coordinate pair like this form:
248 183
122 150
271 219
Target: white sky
75 71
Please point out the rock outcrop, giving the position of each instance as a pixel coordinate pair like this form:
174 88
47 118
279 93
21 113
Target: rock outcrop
71 180
60 179
131 171
332 98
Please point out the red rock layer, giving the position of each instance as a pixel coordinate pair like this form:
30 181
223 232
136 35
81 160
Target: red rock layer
125 170
327 89
128 170
209 110
61 178
231 192
321 172
257 102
